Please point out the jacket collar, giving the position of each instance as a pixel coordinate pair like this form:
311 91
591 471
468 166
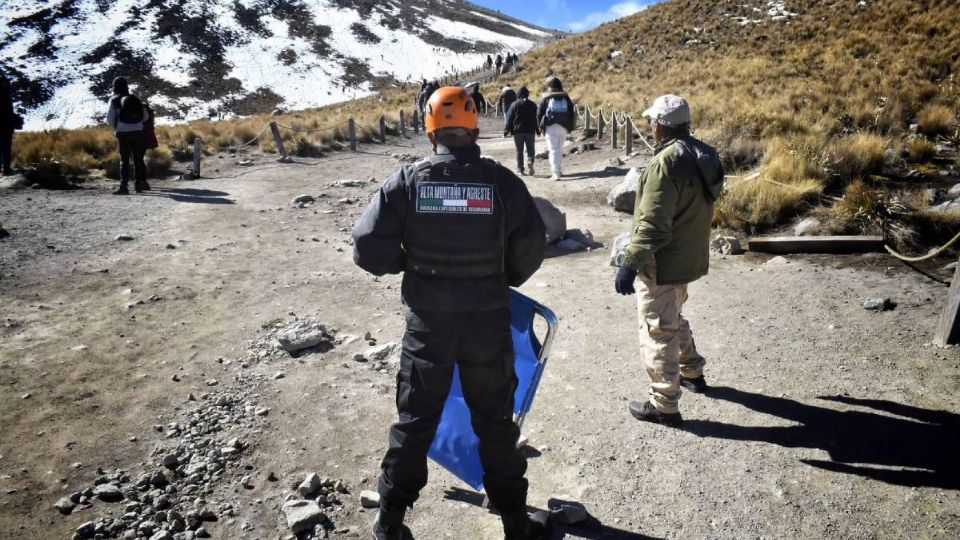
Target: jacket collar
466 153
663 145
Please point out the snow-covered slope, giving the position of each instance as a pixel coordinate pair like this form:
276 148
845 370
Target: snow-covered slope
211 58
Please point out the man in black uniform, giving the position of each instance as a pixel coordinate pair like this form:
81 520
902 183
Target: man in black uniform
462 229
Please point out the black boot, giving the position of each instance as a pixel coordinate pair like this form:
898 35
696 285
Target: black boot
697 386
141 185
122 190
388 525
648 413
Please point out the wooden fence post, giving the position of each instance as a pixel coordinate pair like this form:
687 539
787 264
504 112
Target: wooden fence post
614 131
403 124
278 141
628 142
586 120
352 129
601 123
948 331
383 130
197 155
416 122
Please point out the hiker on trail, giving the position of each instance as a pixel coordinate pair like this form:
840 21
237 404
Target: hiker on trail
478 99
555 119
425 92
126 114
521 122
488 63
499 64
669 248
9 122
506 99
462 229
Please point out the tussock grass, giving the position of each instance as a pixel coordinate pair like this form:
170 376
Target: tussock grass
936 120
858 155
921 150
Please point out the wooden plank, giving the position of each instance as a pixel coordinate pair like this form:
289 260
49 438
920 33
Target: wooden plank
948 331
817 244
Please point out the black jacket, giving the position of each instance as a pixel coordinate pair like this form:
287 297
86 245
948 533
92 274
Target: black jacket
542 111
6 110
479 100
507 98
522 118
379 241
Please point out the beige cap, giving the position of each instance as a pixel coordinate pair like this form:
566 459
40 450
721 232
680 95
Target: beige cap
669 110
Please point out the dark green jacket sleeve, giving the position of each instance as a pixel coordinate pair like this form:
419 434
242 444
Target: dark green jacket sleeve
657 197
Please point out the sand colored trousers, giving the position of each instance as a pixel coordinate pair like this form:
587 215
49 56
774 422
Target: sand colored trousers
666 342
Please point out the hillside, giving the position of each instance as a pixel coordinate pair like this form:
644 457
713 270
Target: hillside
822 93
200 59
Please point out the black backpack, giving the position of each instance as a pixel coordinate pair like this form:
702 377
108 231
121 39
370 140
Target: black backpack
131 110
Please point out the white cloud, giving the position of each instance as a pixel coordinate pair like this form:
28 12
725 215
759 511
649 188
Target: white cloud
616 11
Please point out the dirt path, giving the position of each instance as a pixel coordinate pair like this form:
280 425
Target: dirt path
831 421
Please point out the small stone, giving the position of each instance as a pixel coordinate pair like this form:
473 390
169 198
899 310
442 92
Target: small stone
261 411
359 357
171 246
123 238
87 530
369 499
108 492
387 351
212 382
170 461
726 245
310 485
279 375
65 506
879 304
246 483
303 201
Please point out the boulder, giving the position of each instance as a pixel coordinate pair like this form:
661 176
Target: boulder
879 304
108 492
616 252
303 334
302 516
584 237
553 218
726 245
568 244
612 163
369 499
807 227
624 195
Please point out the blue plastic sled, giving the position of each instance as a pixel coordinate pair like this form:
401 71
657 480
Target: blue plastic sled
456 447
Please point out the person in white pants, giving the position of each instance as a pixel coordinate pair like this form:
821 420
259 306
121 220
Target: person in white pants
555 116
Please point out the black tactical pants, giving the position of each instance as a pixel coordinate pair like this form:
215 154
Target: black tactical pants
6 150
132 147
521 141
481 345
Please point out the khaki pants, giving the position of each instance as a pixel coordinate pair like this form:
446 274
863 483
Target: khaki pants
666 343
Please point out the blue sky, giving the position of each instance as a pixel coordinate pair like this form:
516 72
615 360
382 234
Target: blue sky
569 15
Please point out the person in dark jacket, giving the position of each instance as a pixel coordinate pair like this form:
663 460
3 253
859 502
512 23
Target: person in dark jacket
128 127
522 124
499 64
8 123
555 117
506 99
478 98
462 229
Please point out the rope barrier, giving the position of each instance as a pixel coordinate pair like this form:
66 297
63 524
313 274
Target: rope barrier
229 148
926 257
316 130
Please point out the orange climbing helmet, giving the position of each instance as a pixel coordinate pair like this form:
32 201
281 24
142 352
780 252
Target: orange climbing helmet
449 107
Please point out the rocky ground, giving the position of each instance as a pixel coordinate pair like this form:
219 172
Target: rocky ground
149 388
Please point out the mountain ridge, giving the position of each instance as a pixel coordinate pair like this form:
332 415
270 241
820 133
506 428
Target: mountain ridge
197 59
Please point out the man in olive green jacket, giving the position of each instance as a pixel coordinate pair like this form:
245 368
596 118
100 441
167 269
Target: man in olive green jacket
669 248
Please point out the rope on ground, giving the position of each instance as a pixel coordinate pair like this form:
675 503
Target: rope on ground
926 257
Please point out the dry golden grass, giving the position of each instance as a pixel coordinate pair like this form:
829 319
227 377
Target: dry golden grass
858 155
936 120
921 150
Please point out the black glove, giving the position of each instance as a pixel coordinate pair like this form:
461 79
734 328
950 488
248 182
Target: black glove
624 281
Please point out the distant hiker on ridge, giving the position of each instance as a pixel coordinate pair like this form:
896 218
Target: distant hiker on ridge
126 114
521 122
555 119
499 63
9 122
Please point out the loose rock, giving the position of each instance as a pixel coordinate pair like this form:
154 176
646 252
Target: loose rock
879 304
623 196
302 516
369 499
108 492
65 506
726 245
553 218
303 334
616 251
310 485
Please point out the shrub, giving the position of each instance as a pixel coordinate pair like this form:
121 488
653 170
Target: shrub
921 150
936 120
159 160
858 155
303 147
